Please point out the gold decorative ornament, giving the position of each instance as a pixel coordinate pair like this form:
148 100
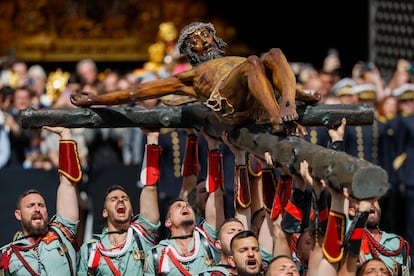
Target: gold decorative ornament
56 83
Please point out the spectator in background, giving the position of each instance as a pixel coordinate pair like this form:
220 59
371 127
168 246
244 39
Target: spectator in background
19 75
6 98
404 160
111 81
362 141
332 62
6 94
89 76
400 76
329 74
37 79
104 144
343 90
4 141
48 144
387 111
369 74
133 139
74 84
24 142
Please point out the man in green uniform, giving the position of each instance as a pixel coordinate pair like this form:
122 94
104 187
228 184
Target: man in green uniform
190 247
46 247
119 250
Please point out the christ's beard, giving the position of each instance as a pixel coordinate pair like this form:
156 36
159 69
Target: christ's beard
210 56
198 59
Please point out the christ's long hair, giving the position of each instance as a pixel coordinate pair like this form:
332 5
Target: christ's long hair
185 48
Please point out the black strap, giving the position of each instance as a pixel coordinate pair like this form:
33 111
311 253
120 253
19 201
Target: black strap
336 146
139 244
90 246
207 247
405 251
67 233
65 250
156 259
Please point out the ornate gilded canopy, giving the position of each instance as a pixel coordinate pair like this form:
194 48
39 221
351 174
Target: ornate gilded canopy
104 30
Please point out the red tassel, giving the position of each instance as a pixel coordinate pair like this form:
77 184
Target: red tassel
5 260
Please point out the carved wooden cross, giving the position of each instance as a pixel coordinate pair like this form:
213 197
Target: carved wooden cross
362 178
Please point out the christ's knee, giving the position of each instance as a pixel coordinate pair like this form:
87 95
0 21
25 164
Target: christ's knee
273 57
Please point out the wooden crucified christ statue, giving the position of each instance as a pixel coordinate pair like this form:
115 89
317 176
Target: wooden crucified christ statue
240 90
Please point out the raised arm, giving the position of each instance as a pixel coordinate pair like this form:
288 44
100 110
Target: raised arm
190 166
353 238
318 218
214 212
332 246
336 136
70 173
150 176
242 199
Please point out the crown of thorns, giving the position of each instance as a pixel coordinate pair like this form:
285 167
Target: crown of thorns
191 28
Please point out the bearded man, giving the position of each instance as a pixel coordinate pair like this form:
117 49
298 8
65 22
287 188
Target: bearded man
46 247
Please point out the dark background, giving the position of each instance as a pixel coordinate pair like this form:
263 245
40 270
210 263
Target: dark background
304 30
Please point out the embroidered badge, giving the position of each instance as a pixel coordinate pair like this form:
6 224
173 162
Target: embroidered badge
50 237
209 262
138 255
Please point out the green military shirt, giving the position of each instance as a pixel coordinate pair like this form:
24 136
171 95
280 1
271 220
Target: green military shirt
54 254
169 257
128 260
